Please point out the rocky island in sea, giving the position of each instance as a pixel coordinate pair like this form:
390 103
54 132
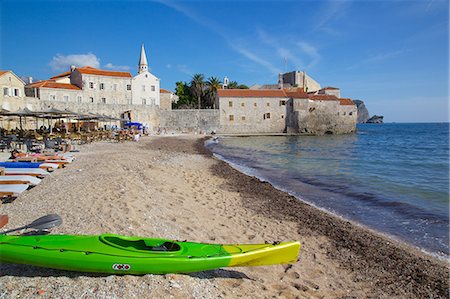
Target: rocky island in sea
363 114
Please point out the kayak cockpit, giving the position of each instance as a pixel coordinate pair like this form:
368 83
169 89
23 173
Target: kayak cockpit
140 244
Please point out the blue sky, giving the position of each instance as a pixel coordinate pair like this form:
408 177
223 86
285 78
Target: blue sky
394 55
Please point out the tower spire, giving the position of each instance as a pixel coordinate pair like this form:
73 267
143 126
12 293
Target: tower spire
143 66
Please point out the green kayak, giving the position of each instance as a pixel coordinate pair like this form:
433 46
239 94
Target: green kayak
117 254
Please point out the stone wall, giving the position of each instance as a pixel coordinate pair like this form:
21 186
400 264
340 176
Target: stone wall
321 117
190 120
252 115
301 79
139 113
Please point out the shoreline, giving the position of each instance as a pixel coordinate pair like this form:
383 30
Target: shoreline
241 169
172 187
344 234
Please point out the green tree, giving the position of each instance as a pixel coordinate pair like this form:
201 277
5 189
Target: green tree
185 99
197 87
233 85
213 85
243 86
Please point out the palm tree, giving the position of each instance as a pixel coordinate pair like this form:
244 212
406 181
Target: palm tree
197 85
233 85
213 84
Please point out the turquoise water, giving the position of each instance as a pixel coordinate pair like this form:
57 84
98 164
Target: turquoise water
393 178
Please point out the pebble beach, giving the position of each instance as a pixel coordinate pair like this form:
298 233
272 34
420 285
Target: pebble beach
172 187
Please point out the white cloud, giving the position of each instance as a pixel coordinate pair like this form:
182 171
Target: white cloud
331 11
311 51
111 66
255 58
63 62
380 57
219 30
184 69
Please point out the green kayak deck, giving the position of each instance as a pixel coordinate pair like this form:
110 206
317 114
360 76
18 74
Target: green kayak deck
136 255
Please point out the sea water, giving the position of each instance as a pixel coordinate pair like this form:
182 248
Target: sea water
392 178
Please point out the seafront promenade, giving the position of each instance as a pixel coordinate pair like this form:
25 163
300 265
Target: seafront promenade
171 187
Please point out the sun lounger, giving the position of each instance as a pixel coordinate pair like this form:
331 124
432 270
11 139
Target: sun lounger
19 179
12 190
26 171
45 166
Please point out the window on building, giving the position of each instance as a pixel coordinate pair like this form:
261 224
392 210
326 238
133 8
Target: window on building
79 99
103 100
16 92
144 102
230 104
282 115
143 87
115 87
153 88
52 97
344 113
242 104
268 104
266 116
102 85
255 104
243 118
351 113
91 99
282 103
66 98
128 86
231 117
5 91
91 84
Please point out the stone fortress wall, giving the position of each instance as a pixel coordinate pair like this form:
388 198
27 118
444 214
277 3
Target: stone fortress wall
190 121
240 115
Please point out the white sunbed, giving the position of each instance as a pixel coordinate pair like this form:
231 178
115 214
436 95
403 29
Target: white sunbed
23 179
26 171
12 190
49 165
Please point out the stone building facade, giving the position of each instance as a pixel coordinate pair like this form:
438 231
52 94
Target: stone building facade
252 111
145 86
284 111
299 79
12 91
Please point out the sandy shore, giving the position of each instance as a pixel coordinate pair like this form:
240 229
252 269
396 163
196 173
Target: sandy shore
171 187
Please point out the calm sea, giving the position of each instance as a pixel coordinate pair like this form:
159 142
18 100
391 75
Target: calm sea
392 178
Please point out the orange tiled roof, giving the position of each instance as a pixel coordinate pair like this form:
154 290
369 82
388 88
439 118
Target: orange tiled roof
61 75
322 97
162 90
52 84
346 101
299 93
93 71
3 72
251 93
330 88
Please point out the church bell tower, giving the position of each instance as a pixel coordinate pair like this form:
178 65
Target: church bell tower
143 66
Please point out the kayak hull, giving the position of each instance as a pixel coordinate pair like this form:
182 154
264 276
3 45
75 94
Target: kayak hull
114 254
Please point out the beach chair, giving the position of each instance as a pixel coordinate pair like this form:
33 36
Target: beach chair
19 179
36 172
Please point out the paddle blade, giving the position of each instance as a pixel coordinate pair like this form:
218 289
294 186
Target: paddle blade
46 222
3 220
